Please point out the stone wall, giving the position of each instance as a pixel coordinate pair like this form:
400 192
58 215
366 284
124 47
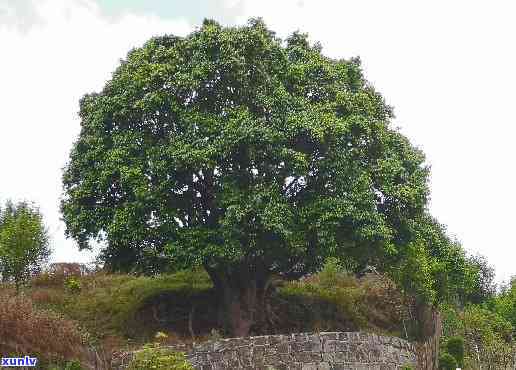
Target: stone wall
305 351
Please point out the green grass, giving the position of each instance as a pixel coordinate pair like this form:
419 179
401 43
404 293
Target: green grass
111 307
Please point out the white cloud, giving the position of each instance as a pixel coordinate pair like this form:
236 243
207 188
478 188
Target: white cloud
44 70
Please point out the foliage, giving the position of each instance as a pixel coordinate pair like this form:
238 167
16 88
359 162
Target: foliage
452 321
72 285
437 269
415 272
153 356
488 336
331 274
505 302
484 286
455 347
335 300
23 242
447 362
250 155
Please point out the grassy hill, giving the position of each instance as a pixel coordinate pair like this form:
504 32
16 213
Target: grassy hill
115 312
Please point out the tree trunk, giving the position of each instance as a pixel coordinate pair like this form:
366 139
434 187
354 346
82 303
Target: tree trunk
241 292
17 284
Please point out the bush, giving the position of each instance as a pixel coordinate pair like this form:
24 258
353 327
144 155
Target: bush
72 285
155 357
70 365
329 299
334 299
27 330
447 362
455 347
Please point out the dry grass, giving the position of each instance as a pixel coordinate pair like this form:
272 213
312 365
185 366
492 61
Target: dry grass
27 330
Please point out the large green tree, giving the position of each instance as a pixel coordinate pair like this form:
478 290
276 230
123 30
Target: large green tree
24 242
249 155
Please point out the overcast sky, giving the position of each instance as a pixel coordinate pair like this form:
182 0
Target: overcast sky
447 67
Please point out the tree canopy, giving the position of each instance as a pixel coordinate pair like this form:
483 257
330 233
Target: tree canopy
23 242
249 155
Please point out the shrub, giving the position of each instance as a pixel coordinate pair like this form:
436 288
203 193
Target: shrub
455 347
447 362
70 365
332 274
27 330
72 285
152 356
334 299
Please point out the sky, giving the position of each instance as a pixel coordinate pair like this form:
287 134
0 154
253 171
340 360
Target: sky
447 68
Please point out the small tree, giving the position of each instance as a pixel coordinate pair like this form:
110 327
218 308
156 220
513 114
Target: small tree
455 347
447 362
23 242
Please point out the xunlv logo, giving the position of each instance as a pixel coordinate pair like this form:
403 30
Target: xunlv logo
19 361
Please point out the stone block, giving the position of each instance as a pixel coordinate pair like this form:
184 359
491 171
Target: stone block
342 346
243 352
344 337
282 348
342 366
333 335
272 360
270 350
323 366
228 355
299 346
233 364
341 357
328 345
214 356
309 367
275 339
303 357
258 352
218 365
300 337
261 340
315 357
328 357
